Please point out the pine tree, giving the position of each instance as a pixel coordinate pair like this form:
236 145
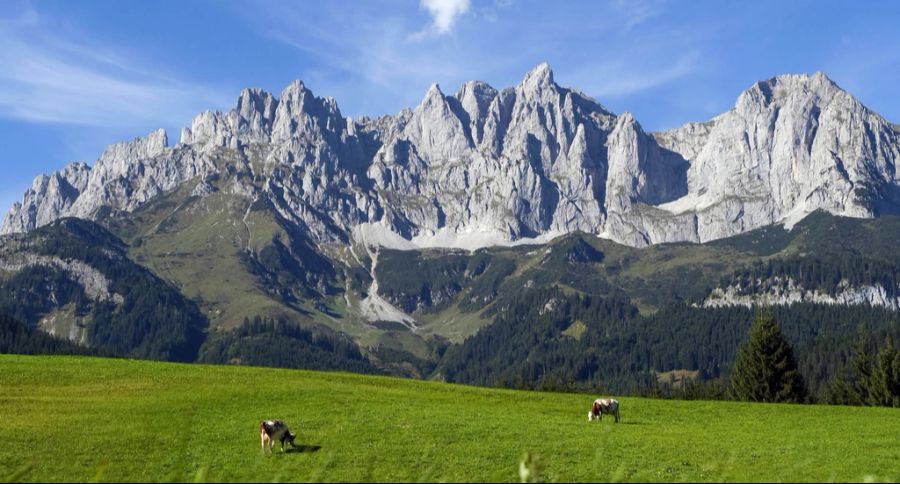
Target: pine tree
862 367
840 390
765 369
884 384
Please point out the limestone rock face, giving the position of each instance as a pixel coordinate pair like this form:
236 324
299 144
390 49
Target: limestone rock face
641 174
485 166
249 122
49 198
521 162
790 145
131 174
783 292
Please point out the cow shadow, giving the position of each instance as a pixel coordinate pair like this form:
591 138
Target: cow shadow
624 422
303 449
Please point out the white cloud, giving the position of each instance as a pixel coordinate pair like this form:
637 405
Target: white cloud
371 61
55 75
444 13
376 59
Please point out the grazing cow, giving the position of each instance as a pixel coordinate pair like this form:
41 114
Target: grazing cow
272 430
604 405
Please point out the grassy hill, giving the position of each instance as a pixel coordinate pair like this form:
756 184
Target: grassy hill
186 272
83 418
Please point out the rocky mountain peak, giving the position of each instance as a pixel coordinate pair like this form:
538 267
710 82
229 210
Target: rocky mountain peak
540 76
437 127
487 166
300 114
627 118
256 109
294 100
434 91
255 99
476 90
295 89
475 98
434 100
780 90
792 144
153 144
822 78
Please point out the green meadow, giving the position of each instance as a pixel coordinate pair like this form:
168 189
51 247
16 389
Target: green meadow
94 419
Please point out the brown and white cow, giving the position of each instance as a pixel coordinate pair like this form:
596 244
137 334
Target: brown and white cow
604 405
272 430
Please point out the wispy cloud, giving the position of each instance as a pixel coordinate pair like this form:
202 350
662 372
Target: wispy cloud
638 11
618 78
53 73
443 15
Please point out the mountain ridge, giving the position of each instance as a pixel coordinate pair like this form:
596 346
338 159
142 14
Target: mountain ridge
488 167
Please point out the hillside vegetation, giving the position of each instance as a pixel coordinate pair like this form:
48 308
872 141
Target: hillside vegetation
73 279
579 313
85 418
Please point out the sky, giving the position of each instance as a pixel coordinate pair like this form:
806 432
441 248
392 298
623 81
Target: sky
76 76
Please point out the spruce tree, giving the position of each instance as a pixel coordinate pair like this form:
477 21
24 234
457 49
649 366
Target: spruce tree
862 369
765 369
884 385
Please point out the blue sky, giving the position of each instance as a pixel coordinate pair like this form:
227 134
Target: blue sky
78 75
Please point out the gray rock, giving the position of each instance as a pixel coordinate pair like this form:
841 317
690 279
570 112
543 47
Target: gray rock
791 145
49 198
486 167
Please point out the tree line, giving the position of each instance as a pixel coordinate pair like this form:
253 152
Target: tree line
530 345
281 343
17 337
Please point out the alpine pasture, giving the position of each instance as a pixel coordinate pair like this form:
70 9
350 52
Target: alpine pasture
95 419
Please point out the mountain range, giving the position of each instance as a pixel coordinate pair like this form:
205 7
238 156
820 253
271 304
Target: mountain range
417 237
489 167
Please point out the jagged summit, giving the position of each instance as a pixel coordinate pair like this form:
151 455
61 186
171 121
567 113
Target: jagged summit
480 88
779 89
810 81
485 166
791 145
541 75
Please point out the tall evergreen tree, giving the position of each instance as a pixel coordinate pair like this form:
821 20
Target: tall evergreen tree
884 386
765 369
850 385
862 368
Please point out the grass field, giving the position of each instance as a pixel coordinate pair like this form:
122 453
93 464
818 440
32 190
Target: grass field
90 419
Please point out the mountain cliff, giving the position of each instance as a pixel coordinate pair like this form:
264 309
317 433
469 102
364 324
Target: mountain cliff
488 167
